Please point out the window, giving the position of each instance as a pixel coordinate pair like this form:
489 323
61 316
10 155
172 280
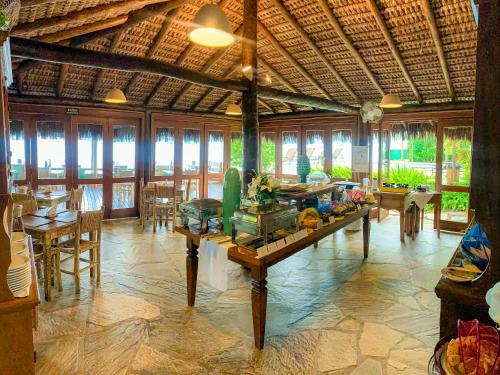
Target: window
215 151
290 150
164 152
17 144
123 151
51 152
90 149
315 149
457 156
268 153
342 154
191 152
236 150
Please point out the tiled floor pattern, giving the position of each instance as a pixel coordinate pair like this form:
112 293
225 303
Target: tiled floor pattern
329 312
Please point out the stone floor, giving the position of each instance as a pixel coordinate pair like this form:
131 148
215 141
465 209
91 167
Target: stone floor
329 312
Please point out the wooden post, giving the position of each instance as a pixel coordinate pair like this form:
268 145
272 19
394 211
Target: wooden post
250 118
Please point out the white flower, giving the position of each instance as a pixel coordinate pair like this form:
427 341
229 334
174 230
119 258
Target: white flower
493 301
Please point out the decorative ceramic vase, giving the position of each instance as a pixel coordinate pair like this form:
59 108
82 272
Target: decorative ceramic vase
231 197
303 167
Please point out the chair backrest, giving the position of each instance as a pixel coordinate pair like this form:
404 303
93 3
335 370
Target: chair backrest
76 198
17 218
164 191
29 205
90 221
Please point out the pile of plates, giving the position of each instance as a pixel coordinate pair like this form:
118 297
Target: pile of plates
19 273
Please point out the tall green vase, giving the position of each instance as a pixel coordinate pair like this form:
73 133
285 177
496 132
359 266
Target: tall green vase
231 197
303 167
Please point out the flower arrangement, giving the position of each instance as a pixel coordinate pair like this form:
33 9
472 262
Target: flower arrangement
263 188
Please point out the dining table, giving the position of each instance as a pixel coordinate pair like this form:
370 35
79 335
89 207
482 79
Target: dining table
46 230
52 198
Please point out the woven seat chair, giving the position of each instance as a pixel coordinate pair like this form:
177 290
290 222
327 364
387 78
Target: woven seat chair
90 223
145 203
164 205
76 199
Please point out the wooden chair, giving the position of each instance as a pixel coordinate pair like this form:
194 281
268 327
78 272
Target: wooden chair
164 205
145 202
29 204
76 199
17 218
90 223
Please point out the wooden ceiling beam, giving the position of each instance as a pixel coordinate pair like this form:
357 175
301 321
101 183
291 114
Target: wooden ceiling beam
394 50
276 45
100 74
348 44
63 74
134 18
81 16
58 54
310 43
263 103
219 102
233 68
429 16
81 30
283 80
157 42
205 68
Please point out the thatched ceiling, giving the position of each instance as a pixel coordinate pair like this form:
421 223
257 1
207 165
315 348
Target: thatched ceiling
347 50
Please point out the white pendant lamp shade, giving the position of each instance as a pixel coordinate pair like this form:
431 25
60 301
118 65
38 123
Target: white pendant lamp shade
115 96
211 27
233 110
390 101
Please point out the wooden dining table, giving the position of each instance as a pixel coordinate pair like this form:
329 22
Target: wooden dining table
47 230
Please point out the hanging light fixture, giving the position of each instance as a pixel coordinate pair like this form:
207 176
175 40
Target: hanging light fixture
390 100
115 95
211 27
233 110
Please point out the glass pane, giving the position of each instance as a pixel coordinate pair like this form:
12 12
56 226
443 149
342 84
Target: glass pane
90 149
92 197
194 188
164 152
191 151
17 148
51 153
290 151
215 151
342 154
123 195
454 206
375 153
457 156
123 151
315 149
236 151
268 153
215 186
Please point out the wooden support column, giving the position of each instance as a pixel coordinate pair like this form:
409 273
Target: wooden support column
467 301
250 116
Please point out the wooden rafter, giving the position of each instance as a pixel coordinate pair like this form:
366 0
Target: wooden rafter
284 82
84 29
62 79
429 16
394 50
348 44
134 18
157 42
219 102
310 43
204 69
263 103
275 43
82 16
233 68
100 75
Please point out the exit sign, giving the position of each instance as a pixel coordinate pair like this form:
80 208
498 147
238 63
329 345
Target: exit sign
72 111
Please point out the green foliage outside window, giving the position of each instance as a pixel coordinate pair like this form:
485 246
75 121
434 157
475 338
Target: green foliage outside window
236 153
268 156
339 171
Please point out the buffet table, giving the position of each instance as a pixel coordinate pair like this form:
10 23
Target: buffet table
258 265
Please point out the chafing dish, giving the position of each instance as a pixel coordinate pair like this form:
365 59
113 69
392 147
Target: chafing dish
264 222
201 210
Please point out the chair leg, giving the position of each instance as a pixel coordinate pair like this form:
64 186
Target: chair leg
76 270
154 218
97 255
57 271
92 260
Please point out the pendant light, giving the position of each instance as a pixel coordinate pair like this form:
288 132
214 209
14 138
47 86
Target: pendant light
115 95
233 110
211 27
390 100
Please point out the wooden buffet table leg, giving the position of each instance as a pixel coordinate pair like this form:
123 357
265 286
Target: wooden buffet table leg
438 219
259 305
47 266
402 225
191 270
366 234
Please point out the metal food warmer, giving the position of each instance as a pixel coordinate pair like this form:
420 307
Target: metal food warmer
263 223
201 210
